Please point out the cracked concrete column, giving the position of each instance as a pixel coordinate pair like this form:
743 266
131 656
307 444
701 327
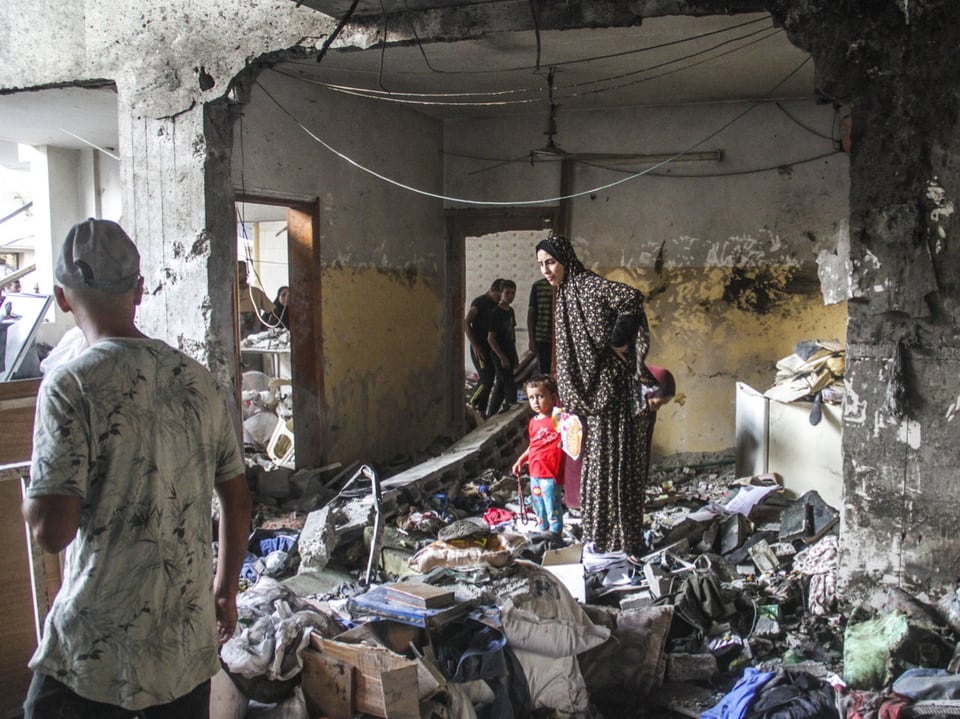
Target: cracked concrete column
178 207
887 63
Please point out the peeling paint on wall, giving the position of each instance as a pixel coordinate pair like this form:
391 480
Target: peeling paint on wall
854 408
939 213
711 344
909 433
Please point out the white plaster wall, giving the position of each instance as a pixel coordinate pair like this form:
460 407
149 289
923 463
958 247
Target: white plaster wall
365 221
788 212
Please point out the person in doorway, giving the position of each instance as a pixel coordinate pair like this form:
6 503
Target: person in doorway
502 339
544 454
540 324
280 315
132 438
252 302
601 336
476 326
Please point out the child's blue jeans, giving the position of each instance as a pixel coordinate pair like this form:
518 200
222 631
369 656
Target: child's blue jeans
545 496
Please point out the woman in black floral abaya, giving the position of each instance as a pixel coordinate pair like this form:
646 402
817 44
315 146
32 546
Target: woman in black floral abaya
602 337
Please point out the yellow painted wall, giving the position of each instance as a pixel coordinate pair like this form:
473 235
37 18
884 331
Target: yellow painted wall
710 343
382 354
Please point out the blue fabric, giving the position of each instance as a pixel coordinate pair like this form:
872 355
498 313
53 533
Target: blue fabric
737 701
282 542
928 684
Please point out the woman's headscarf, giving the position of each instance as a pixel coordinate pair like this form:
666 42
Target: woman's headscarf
589 312
559 247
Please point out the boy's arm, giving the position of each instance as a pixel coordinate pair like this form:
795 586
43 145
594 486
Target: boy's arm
522 460
468 330
532 324
234 531
54 520
495 346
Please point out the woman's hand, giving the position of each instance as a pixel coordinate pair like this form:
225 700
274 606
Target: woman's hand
621 353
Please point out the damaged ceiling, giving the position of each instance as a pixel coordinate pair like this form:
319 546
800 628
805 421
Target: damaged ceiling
671 60
450 61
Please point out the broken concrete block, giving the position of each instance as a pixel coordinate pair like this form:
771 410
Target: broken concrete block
319 538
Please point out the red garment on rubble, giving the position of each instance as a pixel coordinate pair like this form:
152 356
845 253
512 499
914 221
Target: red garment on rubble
893 707
496 516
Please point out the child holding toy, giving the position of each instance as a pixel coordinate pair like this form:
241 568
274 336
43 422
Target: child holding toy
544 454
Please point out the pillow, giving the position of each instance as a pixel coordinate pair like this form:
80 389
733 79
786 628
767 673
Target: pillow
546 619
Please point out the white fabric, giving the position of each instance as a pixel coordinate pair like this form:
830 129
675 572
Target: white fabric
547 620
554 683
497 550
140 432
70 345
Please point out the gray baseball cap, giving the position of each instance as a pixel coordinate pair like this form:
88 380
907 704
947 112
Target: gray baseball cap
98 254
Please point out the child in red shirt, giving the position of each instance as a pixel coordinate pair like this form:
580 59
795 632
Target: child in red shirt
544 454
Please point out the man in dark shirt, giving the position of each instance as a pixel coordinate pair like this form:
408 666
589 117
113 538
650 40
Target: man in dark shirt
503 345
476 326
540 324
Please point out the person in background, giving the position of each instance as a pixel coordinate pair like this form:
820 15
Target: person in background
540 324
601 336
665 391
252 302
544 454
502 339
280 315
131 440
476 326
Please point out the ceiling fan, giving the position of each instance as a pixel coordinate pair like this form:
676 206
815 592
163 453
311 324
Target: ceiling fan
552 152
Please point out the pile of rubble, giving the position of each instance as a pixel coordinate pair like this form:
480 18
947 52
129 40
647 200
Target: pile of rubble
359 588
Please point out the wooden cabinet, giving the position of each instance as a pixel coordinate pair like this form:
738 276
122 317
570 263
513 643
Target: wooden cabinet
18 633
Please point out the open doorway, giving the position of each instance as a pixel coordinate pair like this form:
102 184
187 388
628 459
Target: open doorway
277 329
486 245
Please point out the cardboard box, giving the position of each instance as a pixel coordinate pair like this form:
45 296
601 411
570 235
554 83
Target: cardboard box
565 564
356 672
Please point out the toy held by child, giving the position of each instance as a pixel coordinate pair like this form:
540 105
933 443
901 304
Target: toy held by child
544 454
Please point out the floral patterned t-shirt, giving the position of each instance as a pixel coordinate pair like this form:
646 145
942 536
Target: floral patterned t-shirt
141 433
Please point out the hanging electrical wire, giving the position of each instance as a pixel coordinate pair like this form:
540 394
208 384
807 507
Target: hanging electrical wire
809 129
592 58
489 71
383 49
336 31
668 63
536 32
416 98
541 201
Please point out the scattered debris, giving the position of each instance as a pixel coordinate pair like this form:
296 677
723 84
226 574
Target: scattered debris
428 577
